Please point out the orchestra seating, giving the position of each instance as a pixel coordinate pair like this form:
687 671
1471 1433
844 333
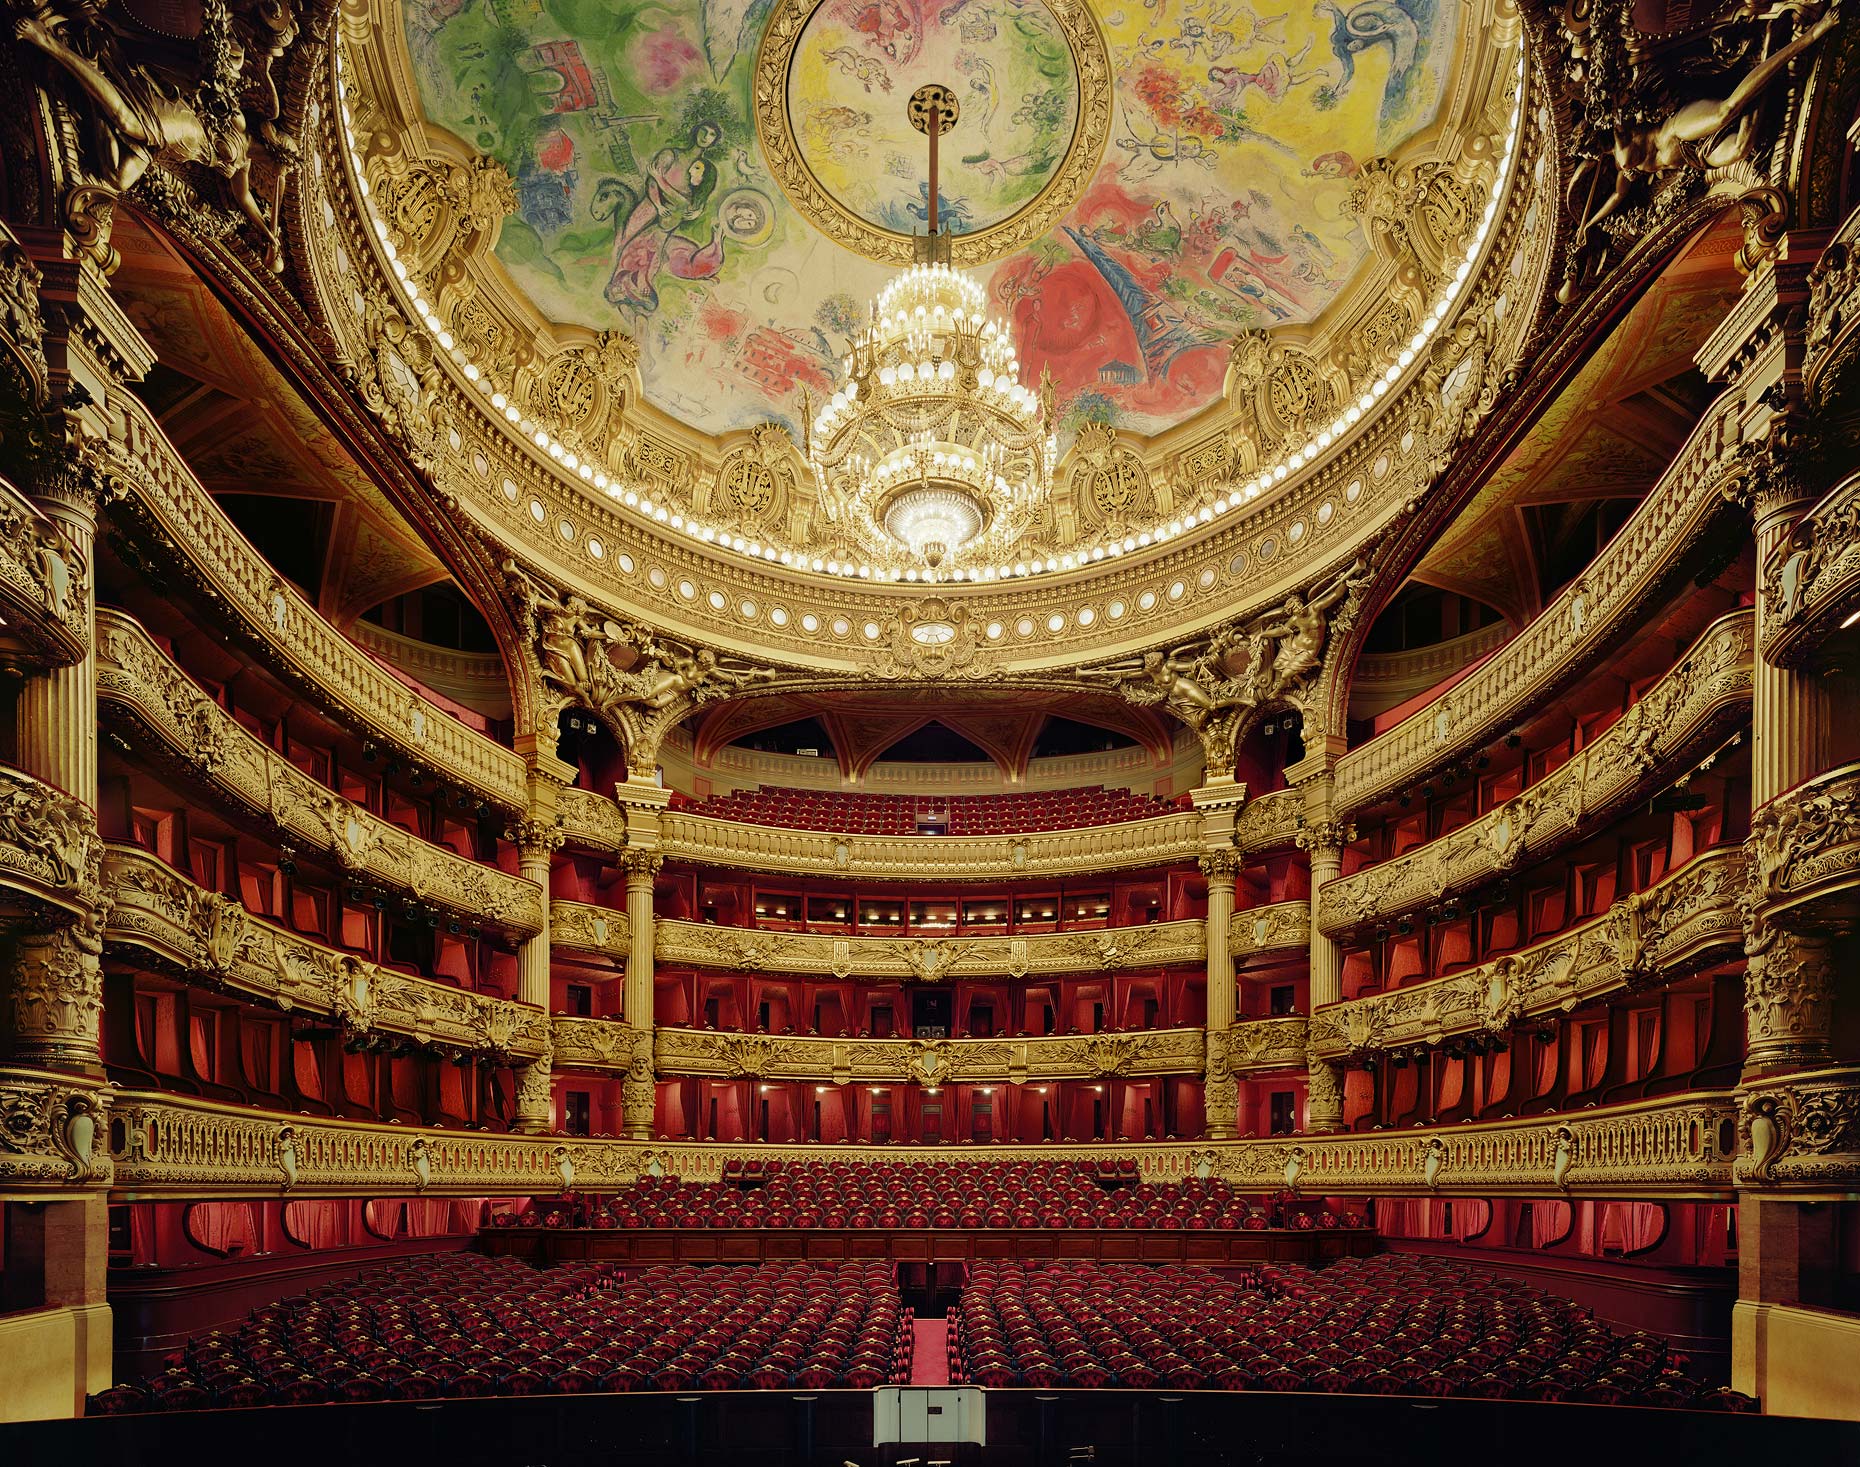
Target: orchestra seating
960 815
466 1325
1390 1324
1021 1194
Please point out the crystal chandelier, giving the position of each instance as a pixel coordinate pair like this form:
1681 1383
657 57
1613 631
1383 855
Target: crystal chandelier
931 444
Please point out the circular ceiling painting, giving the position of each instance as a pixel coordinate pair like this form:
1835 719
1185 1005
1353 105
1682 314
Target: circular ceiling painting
732 181
1032 79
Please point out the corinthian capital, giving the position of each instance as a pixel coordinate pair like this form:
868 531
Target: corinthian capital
641 865
1324 835
536 837
1222 865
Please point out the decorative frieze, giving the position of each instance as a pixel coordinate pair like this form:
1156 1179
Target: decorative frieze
49 847
1811 582
44 590
1682 1146
139 685
53 1131
172 516
1594 612
1673 1148
212 938
1276 927
1680 717
1802 1131
584 927
1260 1046
590 821
929 959
1833 311
701 840
926 1061
1647 937
1805 848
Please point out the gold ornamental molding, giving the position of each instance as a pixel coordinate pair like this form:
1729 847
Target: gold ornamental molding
139 686
54 1134
208 937
1275 928
172 515
1262 1046
50 852
176 1146
703 841
782 150
631 560
931 959
925 1061
1833 334
591 821
44 588
1805 851
1811 583
585 927
1801 1133
1705 484
1649 938
1682 716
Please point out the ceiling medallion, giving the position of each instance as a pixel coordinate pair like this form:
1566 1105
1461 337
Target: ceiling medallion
931 444
826 107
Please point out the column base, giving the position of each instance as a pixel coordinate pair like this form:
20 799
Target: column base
1770 1061
530 1126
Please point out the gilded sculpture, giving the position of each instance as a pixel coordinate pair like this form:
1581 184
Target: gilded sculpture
1279 654
141 117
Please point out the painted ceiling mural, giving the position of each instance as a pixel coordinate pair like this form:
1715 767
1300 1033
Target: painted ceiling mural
1214 199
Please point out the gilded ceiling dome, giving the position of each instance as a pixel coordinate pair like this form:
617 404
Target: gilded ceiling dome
1224 245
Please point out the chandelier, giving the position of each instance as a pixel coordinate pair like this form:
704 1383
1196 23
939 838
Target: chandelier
931 444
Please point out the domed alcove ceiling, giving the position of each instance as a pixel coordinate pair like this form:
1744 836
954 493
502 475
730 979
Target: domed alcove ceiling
731 183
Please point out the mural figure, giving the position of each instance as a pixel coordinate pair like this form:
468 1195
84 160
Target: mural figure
647 240
647 200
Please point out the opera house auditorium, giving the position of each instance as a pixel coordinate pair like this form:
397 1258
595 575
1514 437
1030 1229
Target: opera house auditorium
994 733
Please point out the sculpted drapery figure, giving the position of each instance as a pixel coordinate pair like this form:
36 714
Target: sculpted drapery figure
665 679
1642 139
141 116
1279 655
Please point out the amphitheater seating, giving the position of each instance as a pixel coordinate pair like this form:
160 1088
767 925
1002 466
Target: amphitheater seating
960 815
1018 1194
465 1325
1392 1324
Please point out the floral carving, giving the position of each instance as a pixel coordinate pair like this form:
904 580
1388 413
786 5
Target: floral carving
52 1131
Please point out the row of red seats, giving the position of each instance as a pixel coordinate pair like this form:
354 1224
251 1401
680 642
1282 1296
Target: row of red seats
1392 1324
929 1194
464 1325
866 814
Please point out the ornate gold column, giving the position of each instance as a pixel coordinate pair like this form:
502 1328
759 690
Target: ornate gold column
1222 1092
89 348
641 803
1322 837
537 836
1218 803
1757 349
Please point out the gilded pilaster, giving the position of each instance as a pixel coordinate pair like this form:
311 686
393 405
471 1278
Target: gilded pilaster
1221 1096
1322 838
55 981
538 836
